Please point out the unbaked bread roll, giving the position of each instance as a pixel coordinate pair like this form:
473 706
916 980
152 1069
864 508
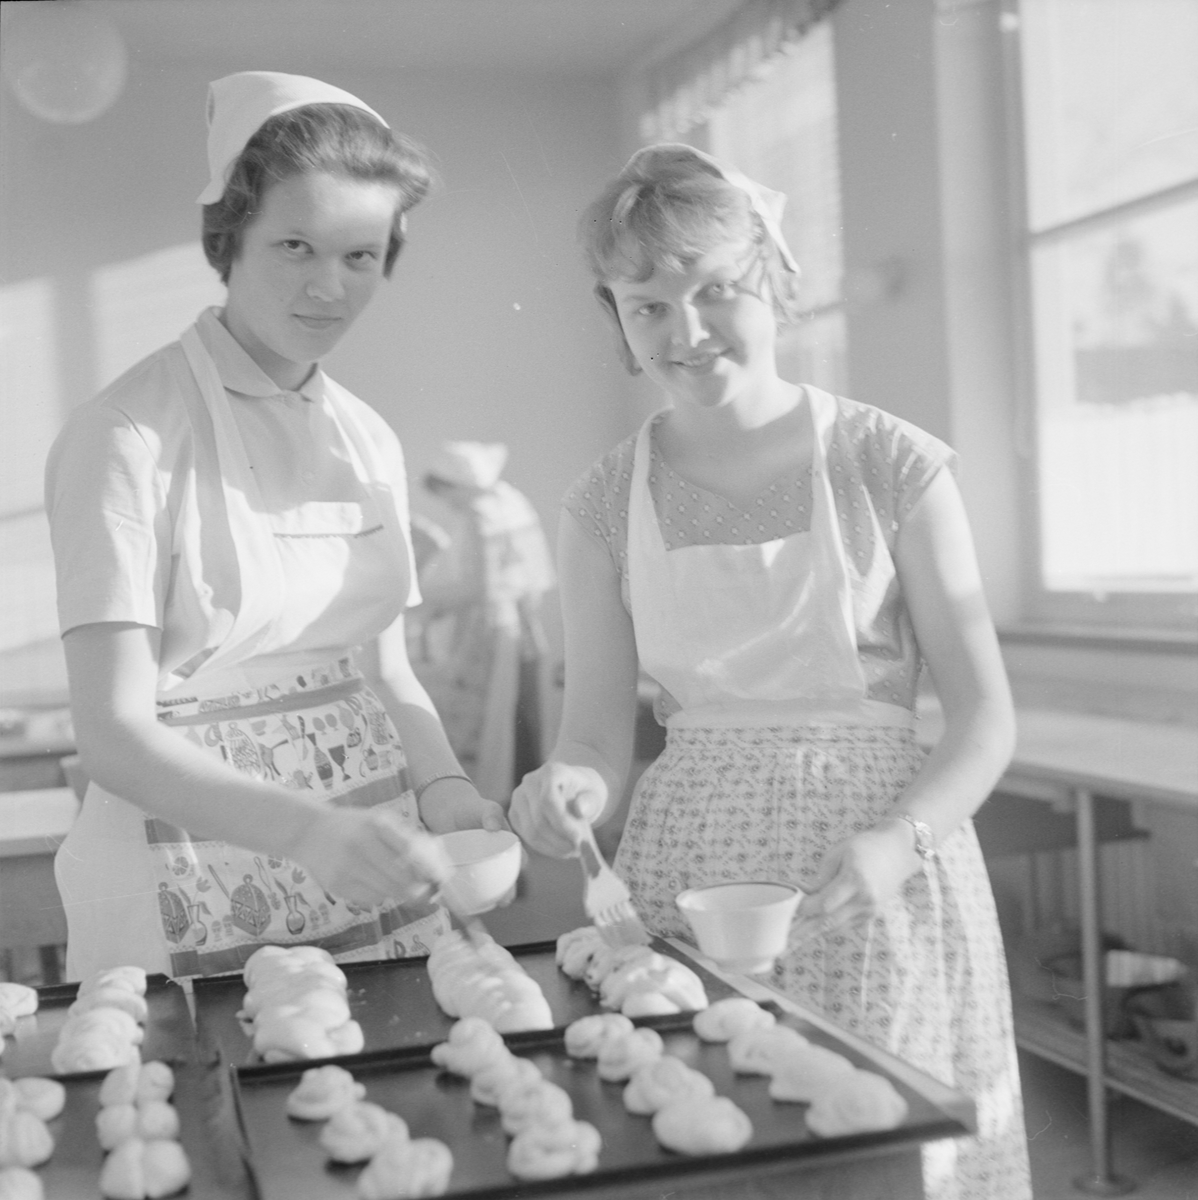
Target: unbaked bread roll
587 1036
659 1083
96 1040
552 1151
758 1051
726 1018
24 1139
17 999
651 983
20 1183
125 979
137 1083
485 980
619 1057
472 1044
488 1085
804 1073
117 1123
576 949
403 1170
45 1098
855 1103
140 1170
713 1125
633 979
112 997
534 1102
356 1132
321 1091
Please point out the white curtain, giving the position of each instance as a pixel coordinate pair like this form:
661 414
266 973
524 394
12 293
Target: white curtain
683 89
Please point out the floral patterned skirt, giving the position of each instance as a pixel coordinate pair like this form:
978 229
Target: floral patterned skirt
925 980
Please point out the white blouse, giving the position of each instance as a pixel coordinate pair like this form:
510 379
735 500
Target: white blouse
140 535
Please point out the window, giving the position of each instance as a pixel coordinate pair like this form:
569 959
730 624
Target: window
1109 95
780 129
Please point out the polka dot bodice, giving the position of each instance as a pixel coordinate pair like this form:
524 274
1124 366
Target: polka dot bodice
879 467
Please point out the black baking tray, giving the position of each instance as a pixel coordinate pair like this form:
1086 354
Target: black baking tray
217 1169
169 1032
393 1001
286 1161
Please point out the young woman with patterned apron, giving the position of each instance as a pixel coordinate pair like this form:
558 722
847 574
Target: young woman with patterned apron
230 526
781 628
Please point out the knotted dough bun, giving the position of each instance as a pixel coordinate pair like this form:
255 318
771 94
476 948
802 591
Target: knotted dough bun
621 1056
117 1123
356 1132
659 1083
726 1018
407 1169
141 1170
472 1045
96 1040
24 1139
321 1091
137 1083
20 1183
758 1051
552 1151
17 999
534 1102
588 1035
855 1103
711 1125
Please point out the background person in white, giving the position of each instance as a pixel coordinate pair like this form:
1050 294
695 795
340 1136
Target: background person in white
228 526
781 561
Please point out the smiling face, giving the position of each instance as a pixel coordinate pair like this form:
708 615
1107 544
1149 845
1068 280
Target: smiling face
309 262
706 333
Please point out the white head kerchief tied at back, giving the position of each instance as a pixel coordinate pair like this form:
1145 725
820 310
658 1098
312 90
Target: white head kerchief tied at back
765 202
469 464
238 106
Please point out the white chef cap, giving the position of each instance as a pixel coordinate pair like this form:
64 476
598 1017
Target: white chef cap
238 106
765 202
469 464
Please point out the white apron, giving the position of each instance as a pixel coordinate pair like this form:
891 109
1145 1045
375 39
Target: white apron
140 891
757 634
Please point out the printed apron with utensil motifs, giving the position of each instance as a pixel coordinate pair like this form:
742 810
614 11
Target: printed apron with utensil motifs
324 734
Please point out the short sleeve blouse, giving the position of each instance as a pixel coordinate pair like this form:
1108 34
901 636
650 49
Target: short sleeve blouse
122 470
879 467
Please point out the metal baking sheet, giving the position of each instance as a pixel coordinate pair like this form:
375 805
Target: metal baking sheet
287 1162
217 1170
169 1033
393 1002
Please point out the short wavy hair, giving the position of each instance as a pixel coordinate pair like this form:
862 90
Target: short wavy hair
335 138
668 209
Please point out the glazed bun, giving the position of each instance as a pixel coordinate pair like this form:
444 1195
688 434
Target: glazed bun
17 999
576 949
485 980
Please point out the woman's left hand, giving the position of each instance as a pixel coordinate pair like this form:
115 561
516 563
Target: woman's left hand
856 880
451 804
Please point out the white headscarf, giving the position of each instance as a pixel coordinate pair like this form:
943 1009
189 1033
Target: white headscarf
469 464
238 106
765 202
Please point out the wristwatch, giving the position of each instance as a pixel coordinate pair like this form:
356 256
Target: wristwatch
925 842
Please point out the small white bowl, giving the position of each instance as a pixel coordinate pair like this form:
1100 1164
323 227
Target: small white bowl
486 867
742 927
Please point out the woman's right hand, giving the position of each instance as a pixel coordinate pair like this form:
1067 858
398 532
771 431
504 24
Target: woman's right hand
371 856
551 803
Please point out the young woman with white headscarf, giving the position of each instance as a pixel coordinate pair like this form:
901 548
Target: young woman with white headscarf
230 527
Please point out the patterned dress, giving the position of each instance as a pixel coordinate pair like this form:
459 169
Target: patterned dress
927 978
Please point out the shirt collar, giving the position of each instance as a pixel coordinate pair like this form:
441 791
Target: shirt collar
238 371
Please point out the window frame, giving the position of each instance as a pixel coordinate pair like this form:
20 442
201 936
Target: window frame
1165 614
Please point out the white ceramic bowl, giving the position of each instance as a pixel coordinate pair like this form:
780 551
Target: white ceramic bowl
742 927
486 867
